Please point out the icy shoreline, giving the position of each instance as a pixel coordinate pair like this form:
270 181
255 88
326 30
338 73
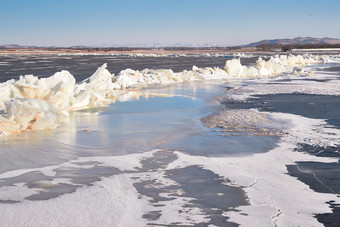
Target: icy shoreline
32 104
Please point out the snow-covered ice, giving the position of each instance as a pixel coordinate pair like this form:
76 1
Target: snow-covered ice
274 197
140 189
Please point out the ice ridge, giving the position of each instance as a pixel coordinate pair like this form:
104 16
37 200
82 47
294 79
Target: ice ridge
35 104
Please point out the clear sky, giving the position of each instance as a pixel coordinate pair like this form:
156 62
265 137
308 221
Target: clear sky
224 22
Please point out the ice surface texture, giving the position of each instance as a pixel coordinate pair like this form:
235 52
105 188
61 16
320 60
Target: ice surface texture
35 104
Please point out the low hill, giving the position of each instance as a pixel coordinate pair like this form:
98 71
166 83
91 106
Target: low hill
295 41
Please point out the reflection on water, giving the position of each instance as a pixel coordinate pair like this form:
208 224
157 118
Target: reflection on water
162 117
154 104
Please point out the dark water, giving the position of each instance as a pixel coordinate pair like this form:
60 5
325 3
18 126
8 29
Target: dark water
208 191
82 67
324 178
321 177
331 69
311 106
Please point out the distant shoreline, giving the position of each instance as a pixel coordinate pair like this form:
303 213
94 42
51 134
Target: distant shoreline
103 51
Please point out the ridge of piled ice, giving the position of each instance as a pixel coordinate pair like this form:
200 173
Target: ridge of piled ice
94 90
31 114
277 65
33 103
130 78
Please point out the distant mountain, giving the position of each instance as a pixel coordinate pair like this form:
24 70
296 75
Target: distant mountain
16 46
197 45
12 46
79 47
298 40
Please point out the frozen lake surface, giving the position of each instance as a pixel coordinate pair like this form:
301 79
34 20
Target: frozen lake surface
222 153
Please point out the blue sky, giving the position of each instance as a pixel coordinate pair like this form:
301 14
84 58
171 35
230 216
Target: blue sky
224 22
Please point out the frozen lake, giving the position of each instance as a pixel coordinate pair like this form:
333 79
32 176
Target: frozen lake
217 152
